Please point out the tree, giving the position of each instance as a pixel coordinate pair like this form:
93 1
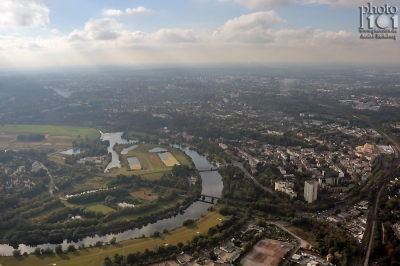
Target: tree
16 252
107 262
58 249
187 222
113 240
36 251
156 233
71 248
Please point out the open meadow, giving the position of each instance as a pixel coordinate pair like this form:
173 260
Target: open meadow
57 137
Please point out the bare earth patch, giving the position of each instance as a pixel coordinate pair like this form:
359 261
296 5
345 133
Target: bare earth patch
267 252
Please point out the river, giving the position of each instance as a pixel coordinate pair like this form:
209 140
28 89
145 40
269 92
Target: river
212 185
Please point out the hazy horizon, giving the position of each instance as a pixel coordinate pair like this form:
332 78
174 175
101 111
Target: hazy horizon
38 33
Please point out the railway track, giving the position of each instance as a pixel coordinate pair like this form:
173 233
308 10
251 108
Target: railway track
366 243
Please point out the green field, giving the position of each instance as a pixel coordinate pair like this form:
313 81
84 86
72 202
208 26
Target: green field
95 256
152 166
159 207
72 131
94 206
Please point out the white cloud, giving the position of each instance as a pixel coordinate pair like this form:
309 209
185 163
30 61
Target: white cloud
23 13
33 47
268 4
112 12
251 28
176 35
102 29
263 4
139 11
345 3
256 37
77 36
55 32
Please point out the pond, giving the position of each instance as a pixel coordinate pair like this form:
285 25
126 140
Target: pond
125 151
72 151
157 149
124 204
114 138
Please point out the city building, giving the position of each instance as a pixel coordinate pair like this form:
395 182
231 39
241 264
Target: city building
310 191
286 187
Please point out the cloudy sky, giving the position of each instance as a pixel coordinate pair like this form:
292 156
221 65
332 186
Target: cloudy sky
49 33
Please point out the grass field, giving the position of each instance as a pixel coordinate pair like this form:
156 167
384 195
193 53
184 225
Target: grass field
94 206
57 137
95 256
152 166
72 131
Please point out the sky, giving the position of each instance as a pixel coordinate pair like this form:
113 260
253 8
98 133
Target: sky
55 33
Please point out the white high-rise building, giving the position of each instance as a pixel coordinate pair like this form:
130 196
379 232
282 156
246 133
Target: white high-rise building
310 190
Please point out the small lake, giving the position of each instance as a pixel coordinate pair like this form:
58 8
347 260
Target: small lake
124 204
114 138
157 149
72 151
125 151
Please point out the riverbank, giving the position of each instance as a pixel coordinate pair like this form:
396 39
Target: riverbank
96 255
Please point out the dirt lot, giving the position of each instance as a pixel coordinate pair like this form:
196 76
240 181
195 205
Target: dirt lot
266 252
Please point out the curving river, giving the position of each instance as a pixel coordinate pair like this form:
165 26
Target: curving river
212 185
